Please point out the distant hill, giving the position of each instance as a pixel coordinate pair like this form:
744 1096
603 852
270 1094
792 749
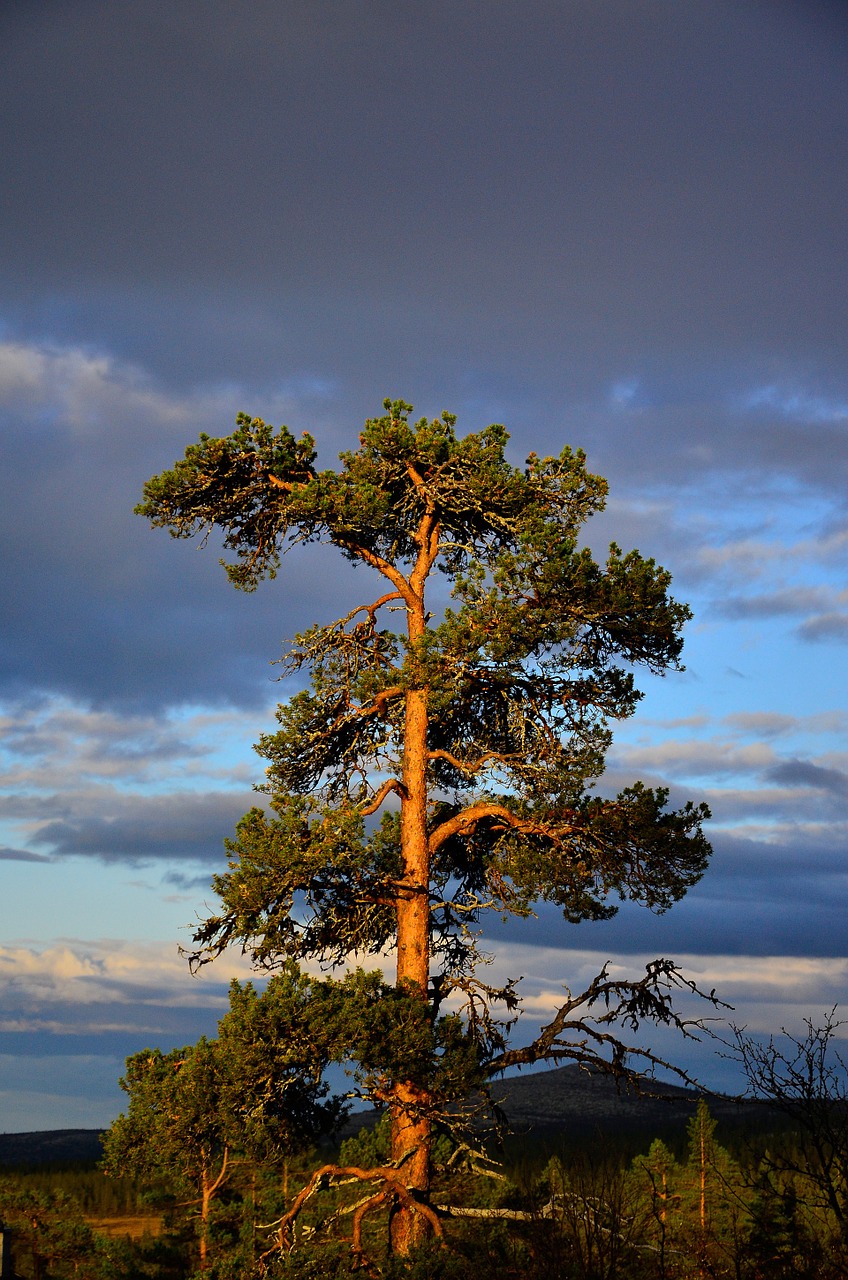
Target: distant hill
567 1100
572 1100
50 1146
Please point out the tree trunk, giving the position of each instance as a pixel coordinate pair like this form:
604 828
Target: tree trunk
208 1189
205 1198
410 1122
702 1198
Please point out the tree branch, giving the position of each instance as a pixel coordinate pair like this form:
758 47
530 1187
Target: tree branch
471 766
391 784
404 590
391 1186
286 485
464 823
376 708
625 1001
221 1176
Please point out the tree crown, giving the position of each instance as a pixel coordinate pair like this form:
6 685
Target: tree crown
451 760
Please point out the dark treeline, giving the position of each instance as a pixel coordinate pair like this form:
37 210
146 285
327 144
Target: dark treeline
742 1200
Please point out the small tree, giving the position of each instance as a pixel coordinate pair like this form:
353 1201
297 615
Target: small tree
198 1113
659 1170
49 1236
478 733
806 1079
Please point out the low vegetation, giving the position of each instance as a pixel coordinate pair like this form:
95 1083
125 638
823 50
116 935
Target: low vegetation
704 1200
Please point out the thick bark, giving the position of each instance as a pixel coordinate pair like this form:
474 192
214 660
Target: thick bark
410 1121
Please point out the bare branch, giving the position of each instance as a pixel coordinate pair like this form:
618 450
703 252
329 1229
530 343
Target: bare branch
580 1038
391 1186
510 1215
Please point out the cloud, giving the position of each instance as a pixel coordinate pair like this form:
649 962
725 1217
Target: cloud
790 600
825 628
774 724
101 744
21 855
617 265
798 404
105 613
180 825
805 774
186 883
60 745
87 391
73 974
784 788
695 757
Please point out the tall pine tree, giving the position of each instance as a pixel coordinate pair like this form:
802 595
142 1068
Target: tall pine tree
444 767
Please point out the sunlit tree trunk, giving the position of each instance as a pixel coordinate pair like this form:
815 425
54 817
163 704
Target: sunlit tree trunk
205 1200
410 1122
208 1189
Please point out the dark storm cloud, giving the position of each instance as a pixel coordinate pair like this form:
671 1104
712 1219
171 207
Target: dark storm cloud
804 774
615 225
747 904
619 225
583 184
182 826
97 606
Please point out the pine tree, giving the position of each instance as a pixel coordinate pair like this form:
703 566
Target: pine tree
199 1113
660 1171
444 768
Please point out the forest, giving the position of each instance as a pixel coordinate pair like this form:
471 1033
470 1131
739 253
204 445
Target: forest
742 1197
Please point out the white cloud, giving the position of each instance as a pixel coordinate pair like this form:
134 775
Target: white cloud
91 392
86 390
59 742
696 757
77 973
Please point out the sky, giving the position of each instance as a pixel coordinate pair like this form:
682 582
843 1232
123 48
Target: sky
619 226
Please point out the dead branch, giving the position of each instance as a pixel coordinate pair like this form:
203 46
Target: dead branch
575 1039
391 1187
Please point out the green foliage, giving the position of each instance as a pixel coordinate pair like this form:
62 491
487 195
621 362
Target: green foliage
200 1118
522 675
48 1231
91 1189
